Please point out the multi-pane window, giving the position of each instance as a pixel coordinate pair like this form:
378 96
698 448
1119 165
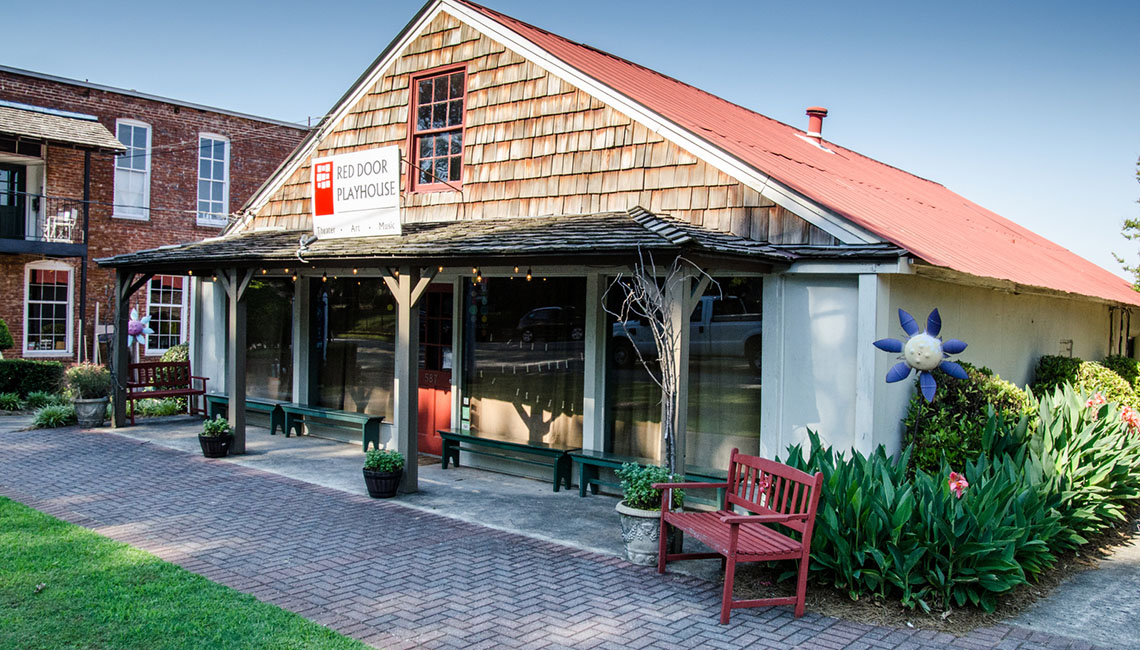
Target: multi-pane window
166 304
213 180
438 130
132 171
47 310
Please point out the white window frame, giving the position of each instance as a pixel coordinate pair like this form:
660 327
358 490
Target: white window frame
183 313
117 212
48 265
224 220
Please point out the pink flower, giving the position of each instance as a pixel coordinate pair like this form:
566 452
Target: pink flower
1096 400
1130 417
958 484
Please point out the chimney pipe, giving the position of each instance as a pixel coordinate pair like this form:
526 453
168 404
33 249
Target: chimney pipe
815 122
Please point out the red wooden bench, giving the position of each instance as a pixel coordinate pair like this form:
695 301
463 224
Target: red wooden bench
770 493
160 379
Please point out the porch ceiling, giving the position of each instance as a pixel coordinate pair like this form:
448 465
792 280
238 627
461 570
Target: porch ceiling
607 234
45 125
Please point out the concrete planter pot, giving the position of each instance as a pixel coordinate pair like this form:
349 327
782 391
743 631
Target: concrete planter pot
641 532
90 412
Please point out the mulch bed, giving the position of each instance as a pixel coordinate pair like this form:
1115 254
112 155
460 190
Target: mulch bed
756 581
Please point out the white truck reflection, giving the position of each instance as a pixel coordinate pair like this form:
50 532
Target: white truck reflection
719 327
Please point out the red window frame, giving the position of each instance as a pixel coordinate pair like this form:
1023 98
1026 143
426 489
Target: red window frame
452 131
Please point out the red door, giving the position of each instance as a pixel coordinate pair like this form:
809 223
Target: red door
435 367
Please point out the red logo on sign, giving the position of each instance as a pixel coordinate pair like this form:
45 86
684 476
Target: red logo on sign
323 188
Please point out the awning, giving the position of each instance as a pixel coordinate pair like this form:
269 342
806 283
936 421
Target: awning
568 237
35 123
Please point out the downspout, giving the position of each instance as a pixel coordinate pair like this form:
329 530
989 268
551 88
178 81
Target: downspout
83 262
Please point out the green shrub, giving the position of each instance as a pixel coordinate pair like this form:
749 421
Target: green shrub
881 534
218 427
88 380
6 342
180 352
1091 455
1127 367
383 460
637 486
39 399
24 376
157 408
951 426
54 415
11 402
1052 371
1093 377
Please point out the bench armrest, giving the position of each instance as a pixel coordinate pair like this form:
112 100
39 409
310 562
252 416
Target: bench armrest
760 519
664 486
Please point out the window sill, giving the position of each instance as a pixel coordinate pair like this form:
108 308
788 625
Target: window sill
47 353
130 217
211 224
435 188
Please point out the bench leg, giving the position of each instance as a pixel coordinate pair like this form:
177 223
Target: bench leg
583 479
562 471
293 423
801 584
216 409
726 598
450 453
277 419
371 433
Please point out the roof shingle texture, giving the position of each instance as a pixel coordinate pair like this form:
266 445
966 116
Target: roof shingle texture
57 128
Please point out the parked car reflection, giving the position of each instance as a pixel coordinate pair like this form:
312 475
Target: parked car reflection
551 324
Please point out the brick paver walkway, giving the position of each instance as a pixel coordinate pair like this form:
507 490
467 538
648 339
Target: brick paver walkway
401 578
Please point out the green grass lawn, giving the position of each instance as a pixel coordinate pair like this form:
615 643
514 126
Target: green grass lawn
62 586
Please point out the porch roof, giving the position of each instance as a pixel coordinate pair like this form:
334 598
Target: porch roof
606 234
36 123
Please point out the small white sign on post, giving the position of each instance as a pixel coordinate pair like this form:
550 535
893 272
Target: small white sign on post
357 194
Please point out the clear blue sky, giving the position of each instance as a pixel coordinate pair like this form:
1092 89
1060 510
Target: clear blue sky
1028 108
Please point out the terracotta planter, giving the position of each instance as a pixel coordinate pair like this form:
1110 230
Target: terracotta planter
90 412
641 532
382 485
215 446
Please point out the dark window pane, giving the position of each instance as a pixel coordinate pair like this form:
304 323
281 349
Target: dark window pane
455 112
425 171
425 91
423 118
441 144
457 85
438 116
456 166
440 89
425 145
456 142
440 169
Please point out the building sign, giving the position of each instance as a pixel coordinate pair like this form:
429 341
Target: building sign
357 194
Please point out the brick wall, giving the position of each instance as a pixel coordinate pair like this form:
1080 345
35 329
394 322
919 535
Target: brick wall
256 149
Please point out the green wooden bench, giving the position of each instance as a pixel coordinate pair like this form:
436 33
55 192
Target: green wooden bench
590 461
217 404
554 456
367 424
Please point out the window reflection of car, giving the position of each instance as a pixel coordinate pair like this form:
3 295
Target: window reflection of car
718 327
551 324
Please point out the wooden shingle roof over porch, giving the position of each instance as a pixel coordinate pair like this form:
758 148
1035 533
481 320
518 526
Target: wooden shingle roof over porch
573 238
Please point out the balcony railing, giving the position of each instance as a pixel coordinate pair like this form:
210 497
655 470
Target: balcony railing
40 218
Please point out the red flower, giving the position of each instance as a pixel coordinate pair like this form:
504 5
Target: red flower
1096 400
958 484
1130 417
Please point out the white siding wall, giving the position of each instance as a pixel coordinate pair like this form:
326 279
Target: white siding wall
211 331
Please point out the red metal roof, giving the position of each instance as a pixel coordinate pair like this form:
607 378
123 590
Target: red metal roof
921 216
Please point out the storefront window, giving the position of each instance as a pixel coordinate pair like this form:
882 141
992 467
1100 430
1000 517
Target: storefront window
633 415
724 373
269 335
524 348
354 344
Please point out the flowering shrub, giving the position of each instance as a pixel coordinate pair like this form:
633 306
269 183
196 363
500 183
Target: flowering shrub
958 484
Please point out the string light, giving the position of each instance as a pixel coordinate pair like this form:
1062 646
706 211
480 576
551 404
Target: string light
474 270
213 278
294 277
354 272
529 275
264 271
516 268
478 277
324 277
287 269
440 269
190 272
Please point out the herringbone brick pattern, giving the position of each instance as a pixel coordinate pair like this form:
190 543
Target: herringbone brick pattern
400 578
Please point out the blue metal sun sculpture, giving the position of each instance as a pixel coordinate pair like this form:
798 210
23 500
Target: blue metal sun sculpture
923 352
138 328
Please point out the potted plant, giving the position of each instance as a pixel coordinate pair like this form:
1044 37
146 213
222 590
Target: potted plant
216 436
640 510
90 386
383 469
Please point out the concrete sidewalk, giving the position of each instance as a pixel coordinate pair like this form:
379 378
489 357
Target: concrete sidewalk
393 573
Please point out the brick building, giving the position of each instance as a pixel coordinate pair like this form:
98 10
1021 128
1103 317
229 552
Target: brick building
88 171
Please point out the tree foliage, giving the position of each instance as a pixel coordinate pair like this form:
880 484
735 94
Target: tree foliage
1131 232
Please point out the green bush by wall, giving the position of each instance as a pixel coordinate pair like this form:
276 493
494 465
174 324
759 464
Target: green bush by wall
24 376
1126 367
952 424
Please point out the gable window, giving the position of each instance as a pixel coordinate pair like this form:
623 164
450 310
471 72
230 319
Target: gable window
437 131
47 309
166 304
132 171
213 180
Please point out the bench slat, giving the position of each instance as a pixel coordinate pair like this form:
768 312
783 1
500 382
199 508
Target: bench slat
559 456
369 424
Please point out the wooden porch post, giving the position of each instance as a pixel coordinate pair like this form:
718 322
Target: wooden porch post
597 338
407 286
235 282
125 286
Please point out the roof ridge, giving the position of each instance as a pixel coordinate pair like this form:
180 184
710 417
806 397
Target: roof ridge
659 226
